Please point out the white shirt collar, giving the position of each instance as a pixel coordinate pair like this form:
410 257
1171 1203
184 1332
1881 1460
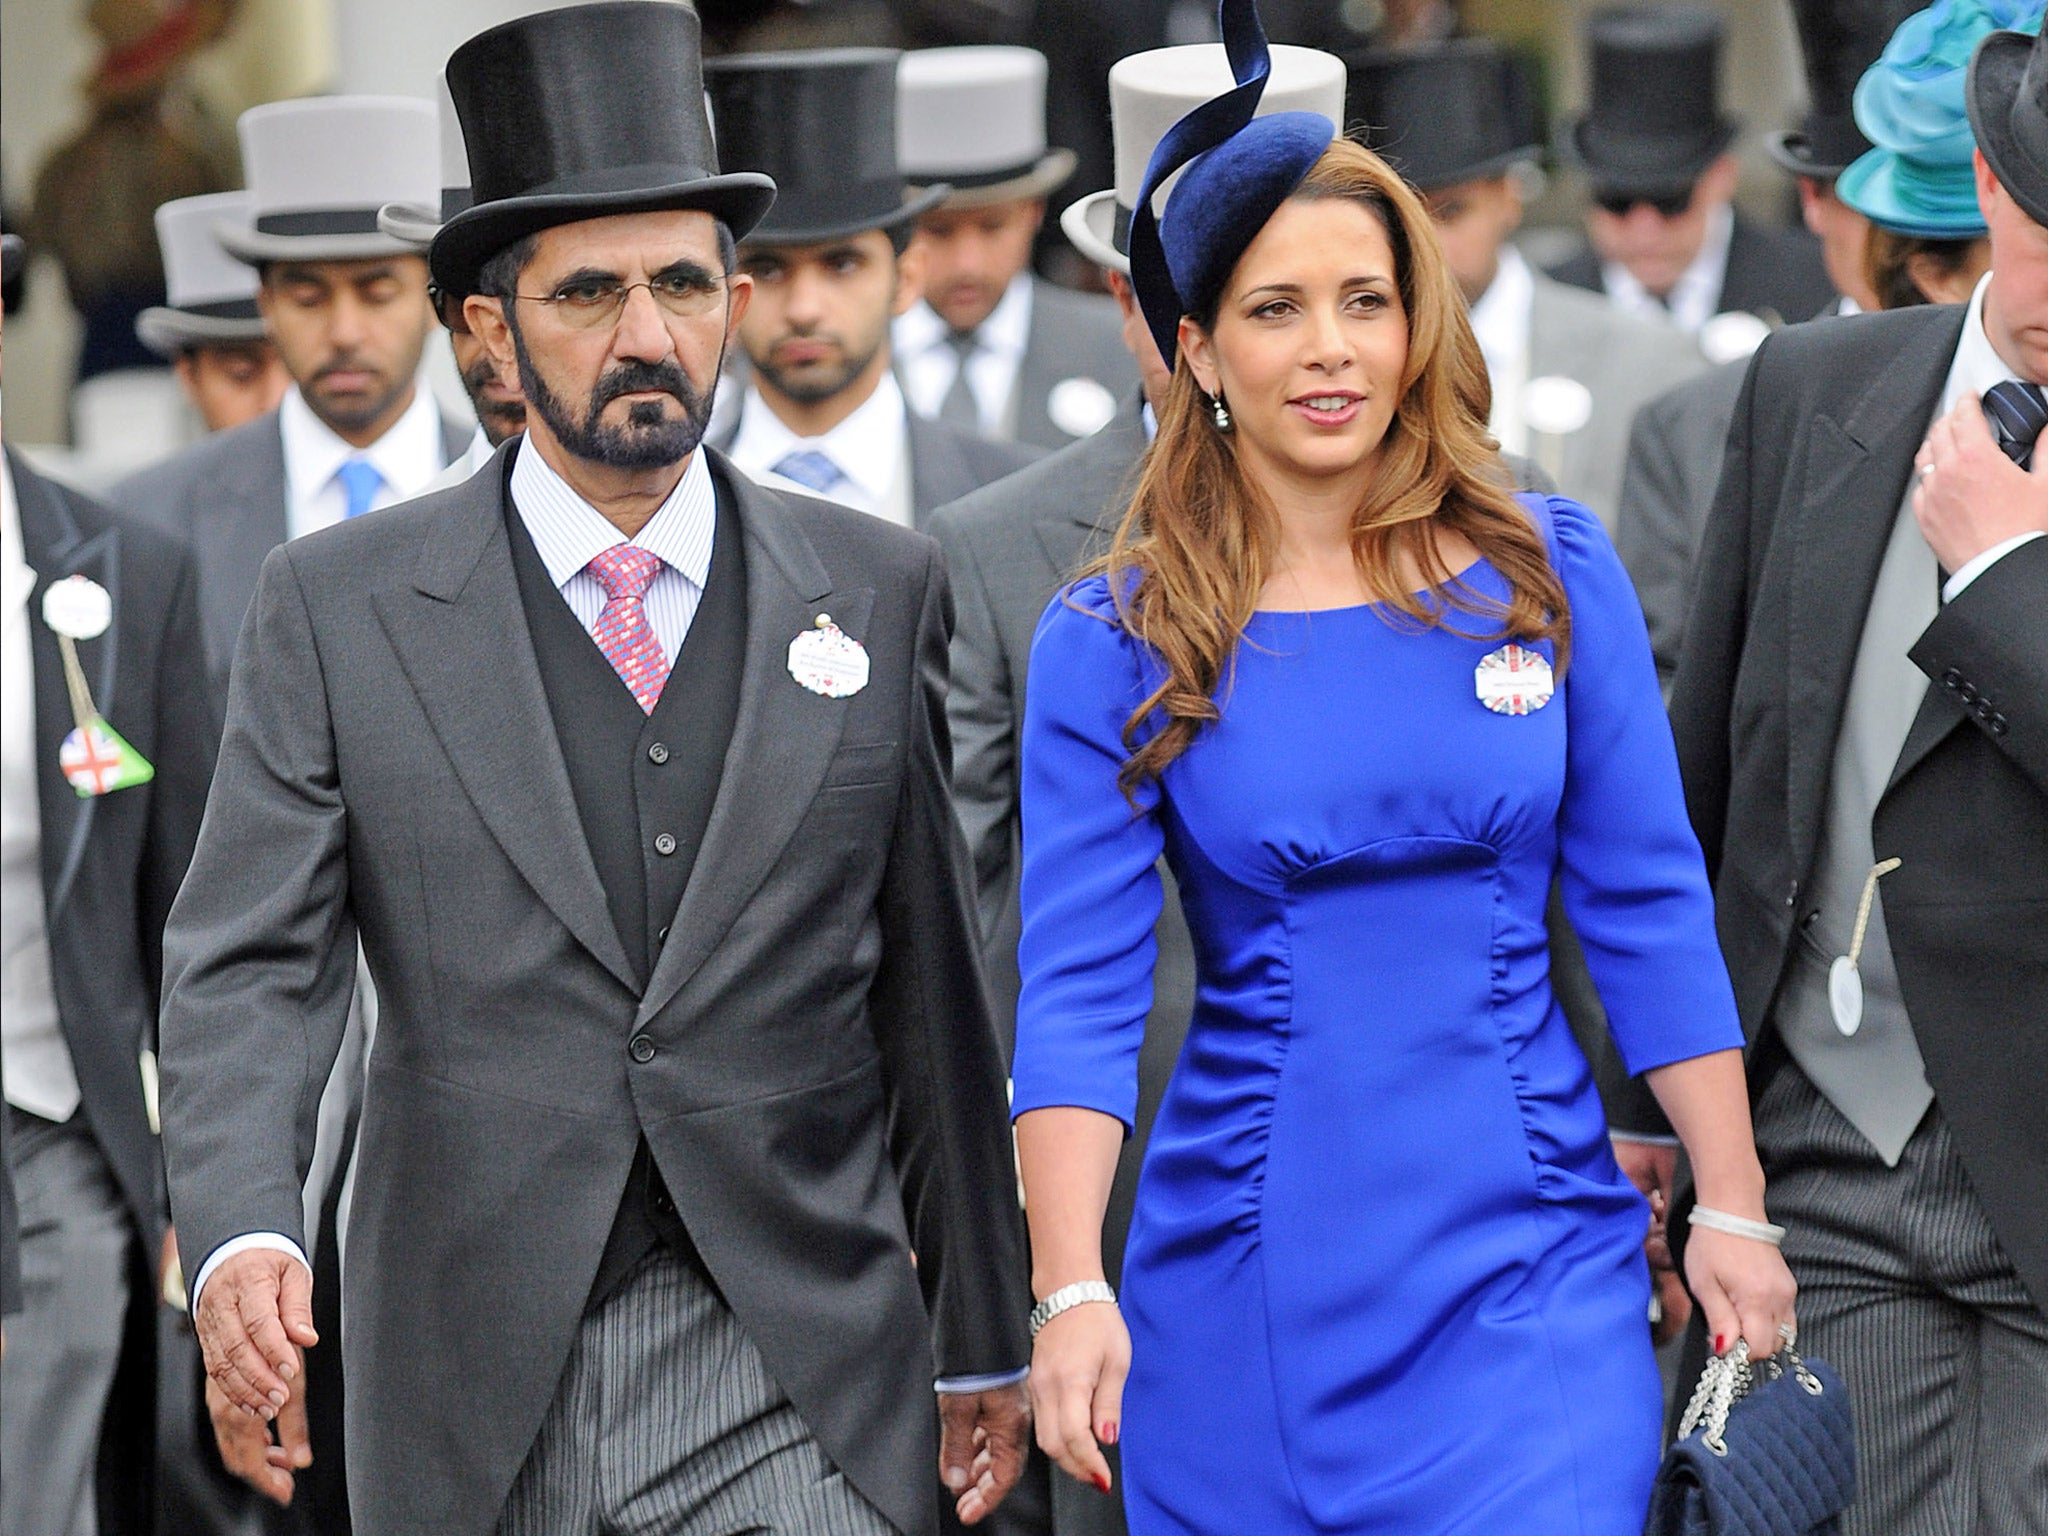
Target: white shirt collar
569 532
869 446
407 456
1006 332
1696 295
1977 365
1500 319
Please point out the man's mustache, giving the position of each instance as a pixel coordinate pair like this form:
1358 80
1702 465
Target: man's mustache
641 377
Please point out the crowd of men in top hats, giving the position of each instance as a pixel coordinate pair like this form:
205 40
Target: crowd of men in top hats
487 797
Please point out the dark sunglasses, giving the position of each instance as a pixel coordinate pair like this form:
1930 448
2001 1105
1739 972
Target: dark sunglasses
1621 204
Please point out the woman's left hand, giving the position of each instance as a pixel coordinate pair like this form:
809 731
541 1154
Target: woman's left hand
1744 1288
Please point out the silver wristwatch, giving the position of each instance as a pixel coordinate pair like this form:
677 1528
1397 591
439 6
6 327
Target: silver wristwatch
1068 1297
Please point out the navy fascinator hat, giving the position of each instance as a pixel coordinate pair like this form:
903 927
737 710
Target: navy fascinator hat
1243 168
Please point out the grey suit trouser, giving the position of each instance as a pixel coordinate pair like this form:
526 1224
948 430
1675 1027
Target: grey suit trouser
667 1421
1904 1289
64 1344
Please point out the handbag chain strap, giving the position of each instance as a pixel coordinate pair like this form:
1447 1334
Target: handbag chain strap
1729 1378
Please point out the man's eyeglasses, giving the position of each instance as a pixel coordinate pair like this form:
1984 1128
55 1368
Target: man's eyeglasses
1622 204
587 303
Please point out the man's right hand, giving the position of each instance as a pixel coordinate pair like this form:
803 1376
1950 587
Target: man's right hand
254 1316
247 1450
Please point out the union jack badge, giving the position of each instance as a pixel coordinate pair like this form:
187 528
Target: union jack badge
1514 681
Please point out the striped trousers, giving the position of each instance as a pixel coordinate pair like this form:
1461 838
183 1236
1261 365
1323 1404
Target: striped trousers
667 1421
1904 1289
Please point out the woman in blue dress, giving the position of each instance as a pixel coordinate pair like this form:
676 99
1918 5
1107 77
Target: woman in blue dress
1383 1274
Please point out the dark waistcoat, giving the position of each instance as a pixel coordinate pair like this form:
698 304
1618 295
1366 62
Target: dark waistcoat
643 786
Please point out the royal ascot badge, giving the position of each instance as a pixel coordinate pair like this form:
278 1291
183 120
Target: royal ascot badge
1514 681
94 757
828 661
78 608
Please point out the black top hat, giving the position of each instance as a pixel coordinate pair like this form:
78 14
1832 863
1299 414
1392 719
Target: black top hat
2007 95
1654 123
1458 111
1838 41
579 114
823 124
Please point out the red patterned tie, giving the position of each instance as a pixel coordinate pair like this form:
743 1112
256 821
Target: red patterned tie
623 633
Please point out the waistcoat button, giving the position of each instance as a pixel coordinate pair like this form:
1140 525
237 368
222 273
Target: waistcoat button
658 753
665 844
641 1049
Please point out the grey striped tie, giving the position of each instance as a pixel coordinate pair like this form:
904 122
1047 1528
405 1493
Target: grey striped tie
2017 413
960 408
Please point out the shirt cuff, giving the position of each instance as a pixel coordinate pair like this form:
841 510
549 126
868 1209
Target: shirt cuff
242 1244
1953 587
965 1386
1647 1138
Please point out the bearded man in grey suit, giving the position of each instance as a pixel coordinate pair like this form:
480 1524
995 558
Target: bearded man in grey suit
991 346
1568 369
684 1164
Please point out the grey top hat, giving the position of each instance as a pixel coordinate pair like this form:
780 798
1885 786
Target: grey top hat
2007 96
1149 92
974 118
320 168
210 296
416 223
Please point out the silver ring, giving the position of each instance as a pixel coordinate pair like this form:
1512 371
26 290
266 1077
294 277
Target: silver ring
1923 472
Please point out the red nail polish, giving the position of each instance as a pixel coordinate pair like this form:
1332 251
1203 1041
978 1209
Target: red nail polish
1102 1481
1720 1343
1108 1432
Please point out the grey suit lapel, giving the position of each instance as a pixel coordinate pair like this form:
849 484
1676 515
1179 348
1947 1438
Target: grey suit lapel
1034 372
55 547
1856 472
462 640
939 471
236 524
1085 525
783 738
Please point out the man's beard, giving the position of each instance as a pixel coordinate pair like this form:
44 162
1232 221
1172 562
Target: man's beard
647 439
345 415
500 419
813 387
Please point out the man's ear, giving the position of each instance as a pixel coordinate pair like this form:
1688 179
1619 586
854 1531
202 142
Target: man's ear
910 273
739 293
485 317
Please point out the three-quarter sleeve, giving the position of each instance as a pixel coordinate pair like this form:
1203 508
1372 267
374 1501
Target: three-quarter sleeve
1635 885
1090 889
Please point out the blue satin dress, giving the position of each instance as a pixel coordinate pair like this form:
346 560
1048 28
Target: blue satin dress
1384 1275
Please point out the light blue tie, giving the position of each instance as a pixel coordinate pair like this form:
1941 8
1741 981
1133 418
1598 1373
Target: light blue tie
810 469
360 482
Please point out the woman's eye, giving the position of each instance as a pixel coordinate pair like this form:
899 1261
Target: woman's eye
1271 311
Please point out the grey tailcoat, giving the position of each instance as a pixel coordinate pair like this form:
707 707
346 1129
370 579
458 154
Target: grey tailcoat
1623 360
824 1094
226 497
1073 335
1667 490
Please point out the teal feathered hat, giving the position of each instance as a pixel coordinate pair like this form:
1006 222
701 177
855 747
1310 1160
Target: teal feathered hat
1911 104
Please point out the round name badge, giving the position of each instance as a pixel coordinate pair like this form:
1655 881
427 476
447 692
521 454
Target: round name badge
1845 995
1514 680
78 608
828 661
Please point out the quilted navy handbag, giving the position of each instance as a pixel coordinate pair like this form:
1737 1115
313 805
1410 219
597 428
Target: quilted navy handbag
1766 1448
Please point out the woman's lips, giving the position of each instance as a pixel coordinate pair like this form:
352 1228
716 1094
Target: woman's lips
1334 409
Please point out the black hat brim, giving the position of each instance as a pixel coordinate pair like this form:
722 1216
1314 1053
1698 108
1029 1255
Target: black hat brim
463 244
922 201
1655 168
1792 152
1483 170
1990 90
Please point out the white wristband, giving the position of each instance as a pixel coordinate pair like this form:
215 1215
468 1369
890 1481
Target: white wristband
1737 1226
1066 1298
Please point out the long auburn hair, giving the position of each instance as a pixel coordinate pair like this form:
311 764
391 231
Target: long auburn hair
1198 540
